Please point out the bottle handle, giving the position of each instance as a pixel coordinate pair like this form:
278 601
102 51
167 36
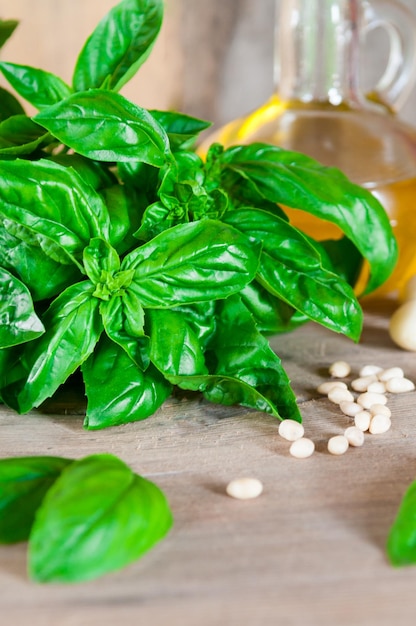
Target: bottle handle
399 77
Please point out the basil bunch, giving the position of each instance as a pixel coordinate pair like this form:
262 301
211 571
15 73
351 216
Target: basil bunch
82 518
127 257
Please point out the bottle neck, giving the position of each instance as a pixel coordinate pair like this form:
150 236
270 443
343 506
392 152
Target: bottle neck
316 51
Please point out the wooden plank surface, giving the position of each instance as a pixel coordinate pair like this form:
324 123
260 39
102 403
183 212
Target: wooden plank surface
308 552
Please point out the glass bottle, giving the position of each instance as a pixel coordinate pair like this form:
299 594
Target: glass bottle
319 108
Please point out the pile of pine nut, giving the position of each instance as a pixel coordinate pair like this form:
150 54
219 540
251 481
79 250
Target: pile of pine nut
364 400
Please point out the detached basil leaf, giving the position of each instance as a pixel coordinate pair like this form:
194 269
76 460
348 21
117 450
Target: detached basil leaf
20 135
180 128
291 268
106 126
119 45
73 327
38 87
18 320
401 542
97 517
24 482
9 105
296 180
193 262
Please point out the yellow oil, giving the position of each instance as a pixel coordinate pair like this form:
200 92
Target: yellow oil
374 150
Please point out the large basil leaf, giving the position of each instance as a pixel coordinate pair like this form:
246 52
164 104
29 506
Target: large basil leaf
401 541
106 126
20 135
97 517
18 320
174 347
63 208
73 326
38 87
291 268
9 105
129 396
296 180
193 262
24 482
119 45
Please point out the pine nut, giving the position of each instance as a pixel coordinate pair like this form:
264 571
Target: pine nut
369 370
355 436
380 409
302 448
326 387
367 399
362 384
350 408
244 488
340 369
338 444
291 430
362 420
399 385
391 372
379 424
377 387
338 395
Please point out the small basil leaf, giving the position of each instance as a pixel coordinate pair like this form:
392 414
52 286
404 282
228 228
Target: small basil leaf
125 207
97 517
401 541
157 218
7 27
9 105
174 347
18 320
123 319
38 87
130 396
94 173
100 260
105 126
180 128
73 327
271 314
119 45
192 262
20 135
24 482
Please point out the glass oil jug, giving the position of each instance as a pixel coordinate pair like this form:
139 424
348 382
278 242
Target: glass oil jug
319 108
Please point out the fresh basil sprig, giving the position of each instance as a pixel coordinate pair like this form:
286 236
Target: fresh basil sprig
82 518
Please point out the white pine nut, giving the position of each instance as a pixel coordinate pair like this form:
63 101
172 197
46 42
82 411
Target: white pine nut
291 430
380 409
338 395
362 384
355 436
379 424
391 372
338 444
326 387
369 370
244 488
399 385
367 399
377 387
340 369
302 448
350 408
362 420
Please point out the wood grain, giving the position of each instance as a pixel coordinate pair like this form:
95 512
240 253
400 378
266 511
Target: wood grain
308 552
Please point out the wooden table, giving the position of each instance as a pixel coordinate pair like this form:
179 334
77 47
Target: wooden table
308 552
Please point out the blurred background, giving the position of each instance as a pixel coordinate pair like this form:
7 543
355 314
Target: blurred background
213 58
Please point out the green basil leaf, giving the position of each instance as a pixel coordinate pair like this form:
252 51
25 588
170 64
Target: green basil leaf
63 208
271 314
38 87
9 105
18 320
201 319
7 27
242 352
73 327
401 541
94 173
100 260
193 262
296 180
119 45
130 396
20 135
125 207
97 517
291 268
105 126
24 482
123 319
174 347
181 129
